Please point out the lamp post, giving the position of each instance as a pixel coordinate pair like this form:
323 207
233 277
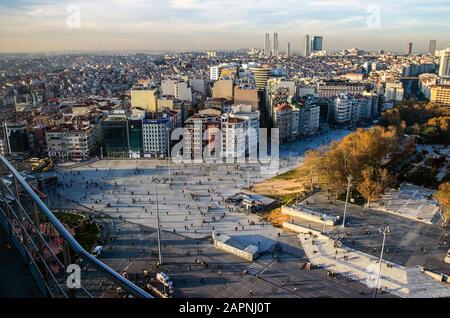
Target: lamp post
385 230
157 223
169 154
349 184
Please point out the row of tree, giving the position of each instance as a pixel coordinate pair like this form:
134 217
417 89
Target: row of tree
359 155
430 121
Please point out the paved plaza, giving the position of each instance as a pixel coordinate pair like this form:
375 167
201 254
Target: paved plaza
190 197
132 248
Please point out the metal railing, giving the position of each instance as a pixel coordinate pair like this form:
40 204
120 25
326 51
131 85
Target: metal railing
23 219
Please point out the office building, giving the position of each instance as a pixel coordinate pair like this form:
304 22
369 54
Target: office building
307 46
409 48
115 134
135 135
432 47
317 43
156 130
17 138
267 50
275 45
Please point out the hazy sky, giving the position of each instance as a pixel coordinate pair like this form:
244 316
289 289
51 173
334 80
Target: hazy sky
51 25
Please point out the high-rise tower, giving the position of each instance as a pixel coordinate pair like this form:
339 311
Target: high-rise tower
267 45
275 44
307 47
432 47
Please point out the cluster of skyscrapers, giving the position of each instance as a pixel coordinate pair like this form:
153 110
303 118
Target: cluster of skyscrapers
271 47
312 45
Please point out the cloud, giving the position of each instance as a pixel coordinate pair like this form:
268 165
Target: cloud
176 24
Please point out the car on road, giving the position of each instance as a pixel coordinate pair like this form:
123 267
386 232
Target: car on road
164 279
97 251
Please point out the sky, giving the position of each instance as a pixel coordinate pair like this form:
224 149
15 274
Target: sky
142 25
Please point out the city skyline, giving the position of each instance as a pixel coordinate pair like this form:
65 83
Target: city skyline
137 25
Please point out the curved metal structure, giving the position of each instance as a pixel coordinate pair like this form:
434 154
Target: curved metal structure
24 221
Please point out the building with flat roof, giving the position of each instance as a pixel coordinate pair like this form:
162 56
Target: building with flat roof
144 97
71 142
334 88
115 133
156 130
440 94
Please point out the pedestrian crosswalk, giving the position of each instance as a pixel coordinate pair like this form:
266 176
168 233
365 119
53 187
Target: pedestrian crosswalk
260 264
265 259
254 268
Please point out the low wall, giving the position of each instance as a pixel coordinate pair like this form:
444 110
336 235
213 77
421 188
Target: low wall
436 276
300 229
304 216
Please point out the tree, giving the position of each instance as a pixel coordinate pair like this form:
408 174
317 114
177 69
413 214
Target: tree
443 196
353 154
370 188
375 182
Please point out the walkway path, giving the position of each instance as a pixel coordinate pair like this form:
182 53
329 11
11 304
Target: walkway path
398 280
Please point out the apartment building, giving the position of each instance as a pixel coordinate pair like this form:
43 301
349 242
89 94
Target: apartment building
283 121
309 119
329 89
440 94
71 142
394 92
342 110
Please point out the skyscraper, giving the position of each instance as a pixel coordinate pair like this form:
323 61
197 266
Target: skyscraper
267 45
317 43
275 44
409 46
307 47
432 47
444 67
288 51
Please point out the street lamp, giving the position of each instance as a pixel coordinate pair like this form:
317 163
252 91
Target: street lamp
169 154
385 230
157 224
349 184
